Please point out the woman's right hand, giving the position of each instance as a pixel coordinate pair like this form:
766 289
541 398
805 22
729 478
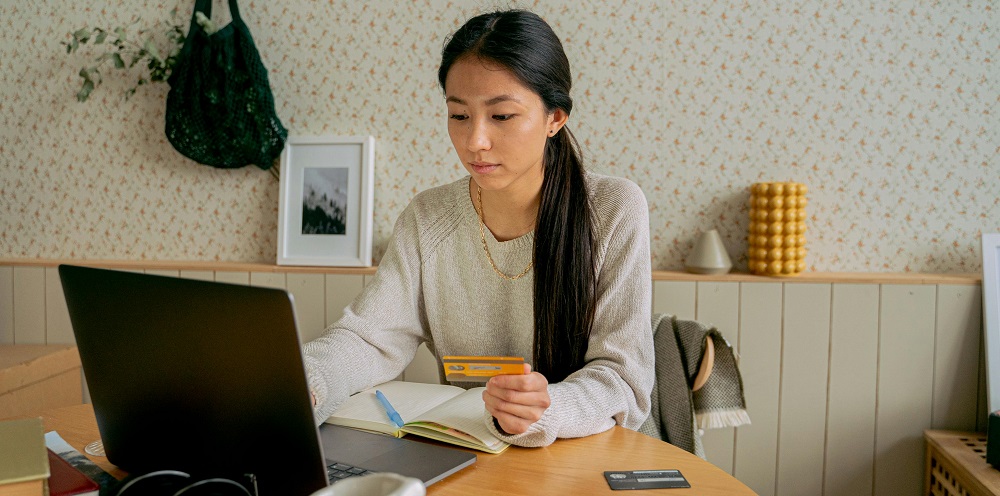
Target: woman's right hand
517 401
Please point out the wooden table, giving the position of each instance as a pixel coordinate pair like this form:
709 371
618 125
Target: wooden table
568 466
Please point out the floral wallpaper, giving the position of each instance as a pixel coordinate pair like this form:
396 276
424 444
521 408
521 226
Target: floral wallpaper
887 111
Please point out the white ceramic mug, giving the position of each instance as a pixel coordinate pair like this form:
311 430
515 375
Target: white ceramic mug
380 484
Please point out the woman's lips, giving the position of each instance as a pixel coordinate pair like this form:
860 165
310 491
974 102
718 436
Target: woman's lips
483 167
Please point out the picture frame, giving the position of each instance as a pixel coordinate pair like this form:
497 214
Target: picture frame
991 317
325 201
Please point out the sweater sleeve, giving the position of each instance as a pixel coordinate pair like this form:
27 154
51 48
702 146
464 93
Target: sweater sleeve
615 384
380 330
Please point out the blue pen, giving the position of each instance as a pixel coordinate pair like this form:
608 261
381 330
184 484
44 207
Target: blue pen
389 410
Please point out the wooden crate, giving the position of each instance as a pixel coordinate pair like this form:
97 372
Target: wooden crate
38 377
956 465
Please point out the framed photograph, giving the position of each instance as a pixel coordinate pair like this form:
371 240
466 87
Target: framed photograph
991 317
325 207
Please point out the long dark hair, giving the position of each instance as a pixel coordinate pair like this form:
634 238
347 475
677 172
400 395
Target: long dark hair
565 270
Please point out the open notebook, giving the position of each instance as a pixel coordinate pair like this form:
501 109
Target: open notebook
448 414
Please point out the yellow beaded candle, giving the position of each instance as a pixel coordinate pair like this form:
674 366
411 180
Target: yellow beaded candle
777 229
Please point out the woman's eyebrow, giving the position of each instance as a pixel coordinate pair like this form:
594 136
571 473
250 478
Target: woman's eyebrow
492 101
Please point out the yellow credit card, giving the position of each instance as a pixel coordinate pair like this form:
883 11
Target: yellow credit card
480 368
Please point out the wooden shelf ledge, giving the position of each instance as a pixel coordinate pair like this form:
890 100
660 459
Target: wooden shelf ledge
658 275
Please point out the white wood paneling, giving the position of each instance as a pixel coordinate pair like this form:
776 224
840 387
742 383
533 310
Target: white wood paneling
309 294
58 329
163 272
268 279
676 298
956 377
850 427
199 275
423 368
905 384
718 305
340 291
6 305
760 366
233 277
802 410
29 305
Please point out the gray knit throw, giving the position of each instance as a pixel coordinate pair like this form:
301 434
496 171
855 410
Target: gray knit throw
677 413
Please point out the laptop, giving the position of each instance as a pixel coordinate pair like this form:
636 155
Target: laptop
208 378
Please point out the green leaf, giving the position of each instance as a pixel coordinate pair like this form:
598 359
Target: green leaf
176 35
101 36
85 90
151 49
89 73
120 32
82 34
119 63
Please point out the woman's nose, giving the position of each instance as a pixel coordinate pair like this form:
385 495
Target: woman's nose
479 138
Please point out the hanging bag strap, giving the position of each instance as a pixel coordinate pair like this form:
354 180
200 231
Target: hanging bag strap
205 7
234 11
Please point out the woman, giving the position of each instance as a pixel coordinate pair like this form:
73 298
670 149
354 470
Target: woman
528 256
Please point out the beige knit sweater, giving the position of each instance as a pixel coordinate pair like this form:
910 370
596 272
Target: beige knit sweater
435 286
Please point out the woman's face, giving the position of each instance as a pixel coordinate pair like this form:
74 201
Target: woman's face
498 126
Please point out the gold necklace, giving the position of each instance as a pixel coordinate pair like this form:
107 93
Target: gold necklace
482 236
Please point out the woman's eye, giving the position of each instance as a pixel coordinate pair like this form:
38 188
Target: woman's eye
458 117
503 117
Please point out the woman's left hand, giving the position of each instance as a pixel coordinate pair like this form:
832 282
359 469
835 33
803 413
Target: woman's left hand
517 401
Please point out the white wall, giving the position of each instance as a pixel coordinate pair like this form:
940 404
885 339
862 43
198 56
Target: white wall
886 110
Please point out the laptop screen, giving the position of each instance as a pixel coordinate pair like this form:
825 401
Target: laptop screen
202 377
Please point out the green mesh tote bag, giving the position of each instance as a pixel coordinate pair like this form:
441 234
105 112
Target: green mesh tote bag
220 111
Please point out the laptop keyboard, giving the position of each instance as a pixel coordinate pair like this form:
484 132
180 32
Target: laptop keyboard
339 471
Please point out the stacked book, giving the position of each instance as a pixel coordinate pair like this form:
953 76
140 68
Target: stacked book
28 468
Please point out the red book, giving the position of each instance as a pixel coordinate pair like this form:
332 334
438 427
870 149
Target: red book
66 480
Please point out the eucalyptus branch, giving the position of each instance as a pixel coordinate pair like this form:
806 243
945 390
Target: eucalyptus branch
120 47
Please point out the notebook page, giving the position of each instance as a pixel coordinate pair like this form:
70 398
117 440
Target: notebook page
410 399
464 413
